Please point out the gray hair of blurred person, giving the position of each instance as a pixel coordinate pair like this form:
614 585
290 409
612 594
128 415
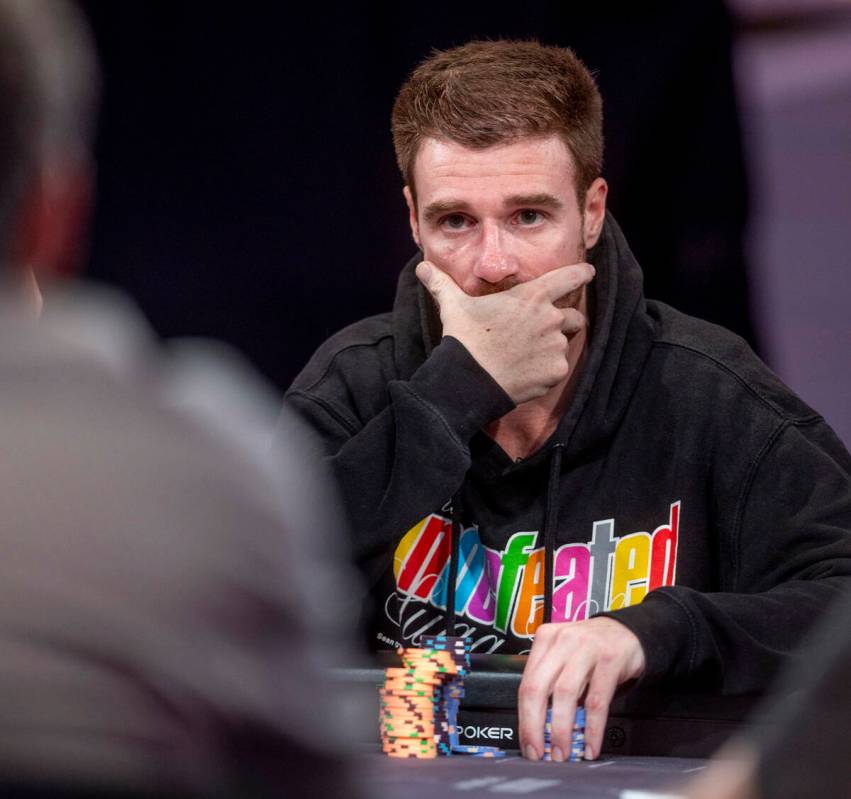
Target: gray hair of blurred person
49 86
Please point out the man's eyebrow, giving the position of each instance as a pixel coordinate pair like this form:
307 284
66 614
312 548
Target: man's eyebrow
433 210
541 200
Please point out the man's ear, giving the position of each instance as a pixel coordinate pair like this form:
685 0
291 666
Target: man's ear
412 215
595 212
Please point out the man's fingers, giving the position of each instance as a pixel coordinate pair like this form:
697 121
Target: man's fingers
561 281
439 284
541 670
573 321
567 690
598 697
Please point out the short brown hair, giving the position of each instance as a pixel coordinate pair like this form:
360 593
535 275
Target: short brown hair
493 92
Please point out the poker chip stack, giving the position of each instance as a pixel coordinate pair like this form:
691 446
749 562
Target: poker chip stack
577 739
410 703
420 701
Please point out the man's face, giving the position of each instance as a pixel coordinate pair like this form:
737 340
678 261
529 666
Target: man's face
501 216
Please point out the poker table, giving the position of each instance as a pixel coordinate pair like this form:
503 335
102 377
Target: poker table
618 776
655 740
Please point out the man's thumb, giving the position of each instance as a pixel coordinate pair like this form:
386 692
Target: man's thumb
424 272
439 284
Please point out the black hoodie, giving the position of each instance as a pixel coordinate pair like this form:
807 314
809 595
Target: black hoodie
683 474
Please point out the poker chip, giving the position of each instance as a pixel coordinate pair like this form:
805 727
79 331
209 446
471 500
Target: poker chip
577 738
481 751
419 701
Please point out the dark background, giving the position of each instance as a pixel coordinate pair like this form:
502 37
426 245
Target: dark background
247 186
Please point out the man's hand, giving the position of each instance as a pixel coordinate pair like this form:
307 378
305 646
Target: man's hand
519 336
568 661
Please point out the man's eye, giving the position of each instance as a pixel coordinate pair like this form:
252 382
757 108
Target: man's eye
529 217
454 221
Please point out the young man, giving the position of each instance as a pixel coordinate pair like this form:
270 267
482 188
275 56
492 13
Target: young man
526 441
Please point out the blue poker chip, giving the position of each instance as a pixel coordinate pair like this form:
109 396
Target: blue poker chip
579 719
463 749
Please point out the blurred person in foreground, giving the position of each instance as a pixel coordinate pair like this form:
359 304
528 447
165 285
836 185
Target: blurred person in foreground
167 593
538 457
797 746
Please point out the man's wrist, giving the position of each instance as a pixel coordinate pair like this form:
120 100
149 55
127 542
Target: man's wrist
464 393
663 630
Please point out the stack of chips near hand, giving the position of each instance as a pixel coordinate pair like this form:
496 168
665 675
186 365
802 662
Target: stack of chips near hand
419 702
577 740
409 702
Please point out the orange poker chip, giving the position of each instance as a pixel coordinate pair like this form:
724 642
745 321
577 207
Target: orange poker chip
400 744
443 666
421 755
400 672
396 720
424 678
407 729
418 682
410 689
413 746
394 700
406 713
396 687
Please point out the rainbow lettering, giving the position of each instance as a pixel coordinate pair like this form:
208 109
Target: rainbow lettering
505 588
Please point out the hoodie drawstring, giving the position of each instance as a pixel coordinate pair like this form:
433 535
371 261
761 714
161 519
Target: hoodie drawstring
550 524
455 545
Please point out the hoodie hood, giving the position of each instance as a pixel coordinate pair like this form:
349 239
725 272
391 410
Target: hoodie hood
621 337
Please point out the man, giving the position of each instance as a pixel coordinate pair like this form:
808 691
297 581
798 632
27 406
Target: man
167 594
526 441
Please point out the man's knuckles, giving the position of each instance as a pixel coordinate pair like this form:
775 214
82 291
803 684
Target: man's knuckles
567 688
558 371
531 690
596 702
573 320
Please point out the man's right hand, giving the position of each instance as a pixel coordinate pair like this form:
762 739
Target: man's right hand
519 336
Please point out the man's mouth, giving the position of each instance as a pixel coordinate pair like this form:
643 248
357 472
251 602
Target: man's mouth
484 289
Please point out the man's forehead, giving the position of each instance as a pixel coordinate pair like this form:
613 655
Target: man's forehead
531 166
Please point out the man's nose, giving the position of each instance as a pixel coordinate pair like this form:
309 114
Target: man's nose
494 261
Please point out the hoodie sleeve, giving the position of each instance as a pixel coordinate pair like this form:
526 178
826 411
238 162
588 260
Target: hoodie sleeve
790 545
410 457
